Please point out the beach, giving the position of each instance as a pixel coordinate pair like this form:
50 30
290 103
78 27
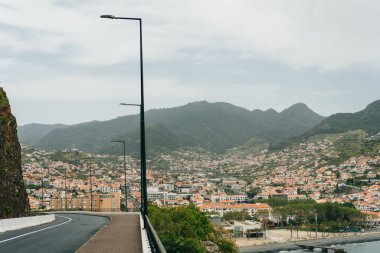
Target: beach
280 239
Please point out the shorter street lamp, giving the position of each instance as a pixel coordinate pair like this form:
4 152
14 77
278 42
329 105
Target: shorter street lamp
143 178
89 158
125 176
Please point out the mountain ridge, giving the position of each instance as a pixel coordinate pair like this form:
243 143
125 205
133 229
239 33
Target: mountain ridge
212 126
367 119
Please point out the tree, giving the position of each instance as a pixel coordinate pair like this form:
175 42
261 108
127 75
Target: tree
253 192
262 216
280 214
182 229
235 215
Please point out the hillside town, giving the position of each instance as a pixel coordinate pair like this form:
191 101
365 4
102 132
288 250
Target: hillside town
217 184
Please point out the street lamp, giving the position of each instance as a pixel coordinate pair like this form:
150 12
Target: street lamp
141 180
125 176
89 158
142 120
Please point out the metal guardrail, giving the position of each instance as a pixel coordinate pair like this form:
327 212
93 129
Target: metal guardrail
154 241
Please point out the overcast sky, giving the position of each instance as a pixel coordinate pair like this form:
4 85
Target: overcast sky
61 63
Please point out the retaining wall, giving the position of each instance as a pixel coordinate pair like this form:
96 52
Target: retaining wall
19 223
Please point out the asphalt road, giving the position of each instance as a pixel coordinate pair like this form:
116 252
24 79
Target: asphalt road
66 234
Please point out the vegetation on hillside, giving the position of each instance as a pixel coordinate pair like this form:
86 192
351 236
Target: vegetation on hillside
367 121
345 145
236 215
3 103
354 144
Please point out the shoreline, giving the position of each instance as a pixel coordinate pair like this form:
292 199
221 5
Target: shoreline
276 247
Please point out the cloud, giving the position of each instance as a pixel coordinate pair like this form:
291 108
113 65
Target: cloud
329 35
326 93
75 88
256 54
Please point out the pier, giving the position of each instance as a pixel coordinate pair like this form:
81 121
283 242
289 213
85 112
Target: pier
323 248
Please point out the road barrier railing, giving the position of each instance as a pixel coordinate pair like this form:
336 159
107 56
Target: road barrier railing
154 240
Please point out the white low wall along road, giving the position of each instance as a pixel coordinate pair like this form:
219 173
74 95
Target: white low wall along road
19 223
144 237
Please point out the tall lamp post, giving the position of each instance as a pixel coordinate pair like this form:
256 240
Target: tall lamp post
125 176
142 121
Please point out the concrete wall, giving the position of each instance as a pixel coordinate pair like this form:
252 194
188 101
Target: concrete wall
19 223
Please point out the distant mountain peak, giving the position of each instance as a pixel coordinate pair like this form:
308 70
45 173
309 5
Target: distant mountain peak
270 110
300 109
373 107
298 106
202 102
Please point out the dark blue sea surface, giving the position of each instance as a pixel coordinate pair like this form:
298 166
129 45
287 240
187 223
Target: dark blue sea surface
368 247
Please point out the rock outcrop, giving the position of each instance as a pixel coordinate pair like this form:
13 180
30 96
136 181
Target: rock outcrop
13 197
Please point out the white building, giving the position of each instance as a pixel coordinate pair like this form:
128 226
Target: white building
220 197
223 208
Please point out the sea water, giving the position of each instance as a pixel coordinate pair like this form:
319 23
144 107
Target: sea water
368 247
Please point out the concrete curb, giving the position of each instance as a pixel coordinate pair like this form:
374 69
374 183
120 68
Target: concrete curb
106 215
24 222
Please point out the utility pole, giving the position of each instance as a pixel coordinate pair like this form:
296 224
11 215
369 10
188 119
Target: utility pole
90 187
48 181
42 185
316 225
89 159
125 175
65 191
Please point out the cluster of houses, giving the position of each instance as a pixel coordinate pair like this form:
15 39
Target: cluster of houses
217 184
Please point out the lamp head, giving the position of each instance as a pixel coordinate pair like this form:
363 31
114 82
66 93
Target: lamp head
130 104
108 16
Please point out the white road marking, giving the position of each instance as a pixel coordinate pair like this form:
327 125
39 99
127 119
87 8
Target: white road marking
33 232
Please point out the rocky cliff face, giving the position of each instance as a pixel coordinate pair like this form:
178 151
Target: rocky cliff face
13 197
